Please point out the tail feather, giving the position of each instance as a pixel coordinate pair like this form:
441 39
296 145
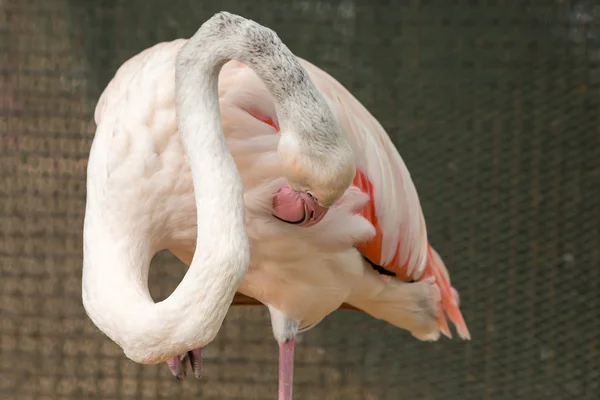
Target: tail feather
404 268
450 301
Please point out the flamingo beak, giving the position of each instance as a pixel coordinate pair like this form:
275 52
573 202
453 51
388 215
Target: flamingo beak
297 208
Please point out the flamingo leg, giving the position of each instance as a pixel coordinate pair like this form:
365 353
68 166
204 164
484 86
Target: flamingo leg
286 369
195 357
285 330
178 366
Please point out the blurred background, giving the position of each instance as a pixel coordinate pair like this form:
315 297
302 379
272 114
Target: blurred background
494 108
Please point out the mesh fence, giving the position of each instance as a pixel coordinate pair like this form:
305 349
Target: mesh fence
494 107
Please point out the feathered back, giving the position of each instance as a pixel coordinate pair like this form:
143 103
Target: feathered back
400 244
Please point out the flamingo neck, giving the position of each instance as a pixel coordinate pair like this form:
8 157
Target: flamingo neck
301 108
115 291
117 248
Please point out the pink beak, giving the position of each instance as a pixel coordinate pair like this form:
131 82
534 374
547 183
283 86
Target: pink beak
297 208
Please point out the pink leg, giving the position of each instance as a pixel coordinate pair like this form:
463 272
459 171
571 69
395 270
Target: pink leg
177 365
286 369
196 361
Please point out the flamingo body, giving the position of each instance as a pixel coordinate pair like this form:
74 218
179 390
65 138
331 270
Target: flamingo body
297 259
302 273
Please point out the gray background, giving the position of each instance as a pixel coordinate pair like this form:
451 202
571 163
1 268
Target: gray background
493 106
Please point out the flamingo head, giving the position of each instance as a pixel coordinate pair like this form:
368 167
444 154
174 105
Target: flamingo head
319 170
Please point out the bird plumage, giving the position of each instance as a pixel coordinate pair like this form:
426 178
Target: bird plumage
302 273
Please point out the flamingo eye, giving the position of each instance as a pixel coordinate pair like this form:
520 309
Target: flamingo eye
312 196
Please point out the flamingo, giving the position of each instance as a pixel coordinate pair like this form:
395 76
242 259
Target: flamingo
322 201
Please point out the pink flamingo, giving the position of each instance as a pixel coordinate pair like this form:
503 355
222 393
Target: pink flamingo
321 202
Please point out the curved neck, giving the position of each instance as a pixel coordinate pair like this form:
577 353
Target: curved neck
300 107
117 248
117 251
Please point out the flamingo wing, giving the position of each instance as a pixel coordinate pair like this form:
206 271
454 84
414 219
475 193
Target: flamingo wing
400 246
395 210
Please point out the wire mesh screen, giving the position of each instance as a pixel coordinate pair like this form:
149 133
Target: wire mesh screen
493 106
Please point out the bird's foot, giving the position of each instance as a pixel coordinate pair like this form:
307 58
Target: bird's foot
178 364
